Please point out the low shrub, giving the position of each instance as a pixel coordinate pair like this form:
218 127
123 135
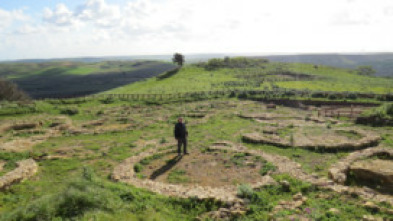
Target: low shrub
138 168
245 191
266 168
70 111
168 74
108 100
10 92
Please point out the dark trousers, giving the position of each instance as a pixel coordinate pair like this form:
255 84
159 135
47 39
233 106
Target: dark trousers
180 142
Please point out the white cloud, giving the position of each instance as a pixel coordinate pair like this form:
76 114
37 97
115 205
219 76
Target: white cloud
7 18
100 13
101 27
60 16
27 29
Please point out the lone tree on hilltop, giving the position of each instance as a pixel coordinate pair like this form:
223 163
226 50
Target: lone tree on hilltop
178 59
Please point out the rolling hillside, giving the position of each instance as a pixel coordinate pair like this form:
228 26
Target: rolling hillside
381 62
265 75
64 79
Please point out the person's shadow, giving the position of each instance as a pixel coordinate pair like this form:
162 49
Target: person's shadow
170 163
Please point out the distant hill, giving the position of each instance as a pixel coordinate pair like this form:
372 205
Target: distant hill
245 73
382 62
67 78
190 58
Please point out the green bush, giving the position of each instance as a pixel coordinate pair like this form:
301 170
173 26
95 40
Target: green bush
70 111
266 168
108 100
138 168
163 140
332 96
245 191
168 74
236 62
318 95
381 112
389 109
352 96
10 92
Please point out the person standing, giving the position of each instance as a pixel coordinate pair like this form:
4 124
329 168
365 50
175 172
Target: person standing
181 135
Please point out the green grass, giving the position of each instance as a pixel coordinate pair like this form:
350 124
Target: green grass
89 197
64 79
336 79
177 176
266 168
64 189
22 70
193 78
188 79
315 208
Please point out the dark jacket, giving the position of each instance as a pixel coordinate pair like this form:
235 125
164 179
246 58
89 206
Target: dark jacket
180 130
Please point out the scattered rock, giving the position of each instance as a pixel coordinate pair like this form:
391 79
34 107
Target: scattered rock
2 163
271 106
53 157
238 212
334 211
297 196
286 186
371 205
371 218
337 175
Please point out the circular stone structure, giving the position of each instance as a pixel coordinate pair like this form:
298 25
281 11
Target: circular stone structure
335 140
124 172
226 193
209 167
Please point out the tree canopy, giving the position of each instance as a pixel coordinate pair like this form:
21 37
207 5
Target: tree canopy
365 70
178 59
9 91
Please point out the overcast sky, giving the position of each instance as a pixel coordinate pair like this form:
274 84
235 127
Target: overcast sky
75 28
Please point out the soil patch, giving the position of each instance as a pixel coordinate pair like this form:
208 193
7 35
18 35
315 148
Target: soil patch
208 168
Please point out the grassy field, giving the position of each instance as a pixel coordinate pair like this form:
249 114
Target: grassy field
77 143
77 184
269 75
63 79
